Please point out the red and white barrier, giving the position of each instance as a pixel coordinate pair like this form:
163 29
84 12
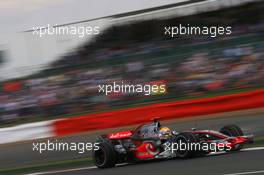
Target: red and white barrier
24 132
131 116
165 111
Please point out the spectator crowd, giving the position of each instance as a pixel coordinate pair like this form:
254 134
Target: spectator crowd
190 66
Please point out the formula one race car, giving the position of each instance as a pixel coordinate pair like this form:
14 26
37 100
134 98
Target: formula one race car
152 141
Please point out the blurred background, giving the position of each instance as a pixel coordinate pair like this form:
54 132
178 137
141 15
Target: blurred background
58 76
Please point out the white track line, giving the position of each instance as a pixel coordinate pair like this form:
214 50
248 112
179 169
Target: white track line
94 167
63 171
69 170
253 149
243 150
249 172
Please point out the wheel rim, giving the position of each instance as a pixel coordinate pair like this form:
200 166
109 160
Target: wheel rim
181 153
100 157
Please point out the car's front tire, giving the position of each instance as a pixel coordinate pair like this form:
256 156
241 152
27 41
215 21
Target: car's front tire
186 138
105 156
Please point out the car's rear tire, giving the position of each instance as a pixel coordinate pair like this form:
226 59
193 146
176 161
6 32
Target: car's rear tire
105 156
186 138
233 131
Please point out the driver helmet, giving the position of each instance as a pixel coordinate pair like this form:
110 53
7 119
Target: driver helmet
165 132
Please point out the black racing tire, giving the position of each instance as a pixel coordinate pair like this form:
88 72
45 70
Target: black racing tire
186 137
105 156
233 131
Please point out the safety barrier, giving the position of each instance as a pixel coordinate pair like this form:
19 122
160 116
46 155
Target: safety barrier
117 118
165 111
29 131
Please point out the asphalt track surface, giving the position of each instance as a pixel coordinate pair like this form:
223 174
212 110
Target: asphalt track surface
248 162
17 155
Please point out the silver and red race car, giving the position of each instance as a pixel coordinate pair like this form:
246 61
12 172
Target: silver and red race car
153 141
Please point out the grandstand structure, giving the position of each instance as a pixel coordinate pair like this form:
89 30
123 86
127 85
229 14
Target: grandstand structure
37 53
132 48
